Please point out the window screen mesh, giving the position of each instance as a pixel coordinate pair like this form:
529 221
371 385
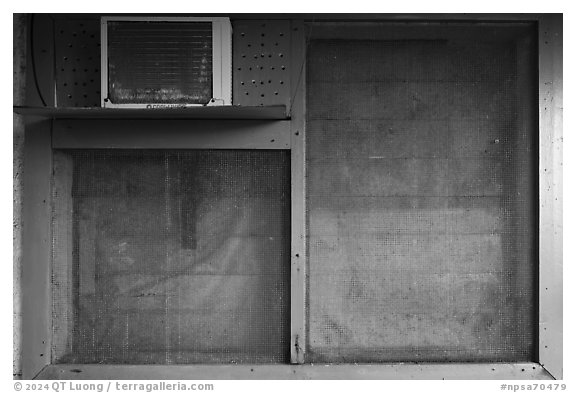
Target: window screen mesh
159 62
421 197
176 257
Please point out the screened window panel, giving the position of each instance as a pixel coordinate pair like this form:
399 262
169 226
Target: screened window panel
421 197
177 257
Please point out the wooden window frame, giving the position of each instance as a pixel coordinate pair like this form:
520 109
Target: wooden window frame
45 134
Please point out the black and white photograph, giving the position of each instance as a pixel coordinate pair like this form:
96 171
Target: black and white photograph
287 196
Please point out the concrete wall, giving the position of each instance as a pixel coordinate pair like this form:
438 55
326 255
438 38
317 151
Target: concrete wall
19 70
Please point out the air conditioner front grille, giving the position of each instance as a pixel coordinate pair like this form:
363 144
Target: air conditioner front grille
165 62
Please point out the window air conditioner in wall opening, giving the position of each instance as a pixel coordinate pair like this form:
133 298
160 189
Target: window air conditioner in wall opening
159 62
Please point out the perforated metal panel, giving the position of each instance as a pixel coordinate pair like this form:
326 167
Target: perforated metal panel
77 43
177 257
260 74
421 196
261 53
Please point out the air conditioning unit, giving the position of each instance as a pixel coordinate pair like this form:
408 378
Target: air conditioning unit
162 62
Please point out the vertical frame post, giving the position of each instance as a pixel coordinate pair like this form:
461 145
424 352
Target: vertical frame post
36 199
36 271
298 256
550 172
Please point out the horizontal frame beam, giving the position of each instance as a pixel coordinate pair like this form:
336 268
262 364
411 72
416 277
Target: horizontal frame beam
171 134
318 371
339 16
227 112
